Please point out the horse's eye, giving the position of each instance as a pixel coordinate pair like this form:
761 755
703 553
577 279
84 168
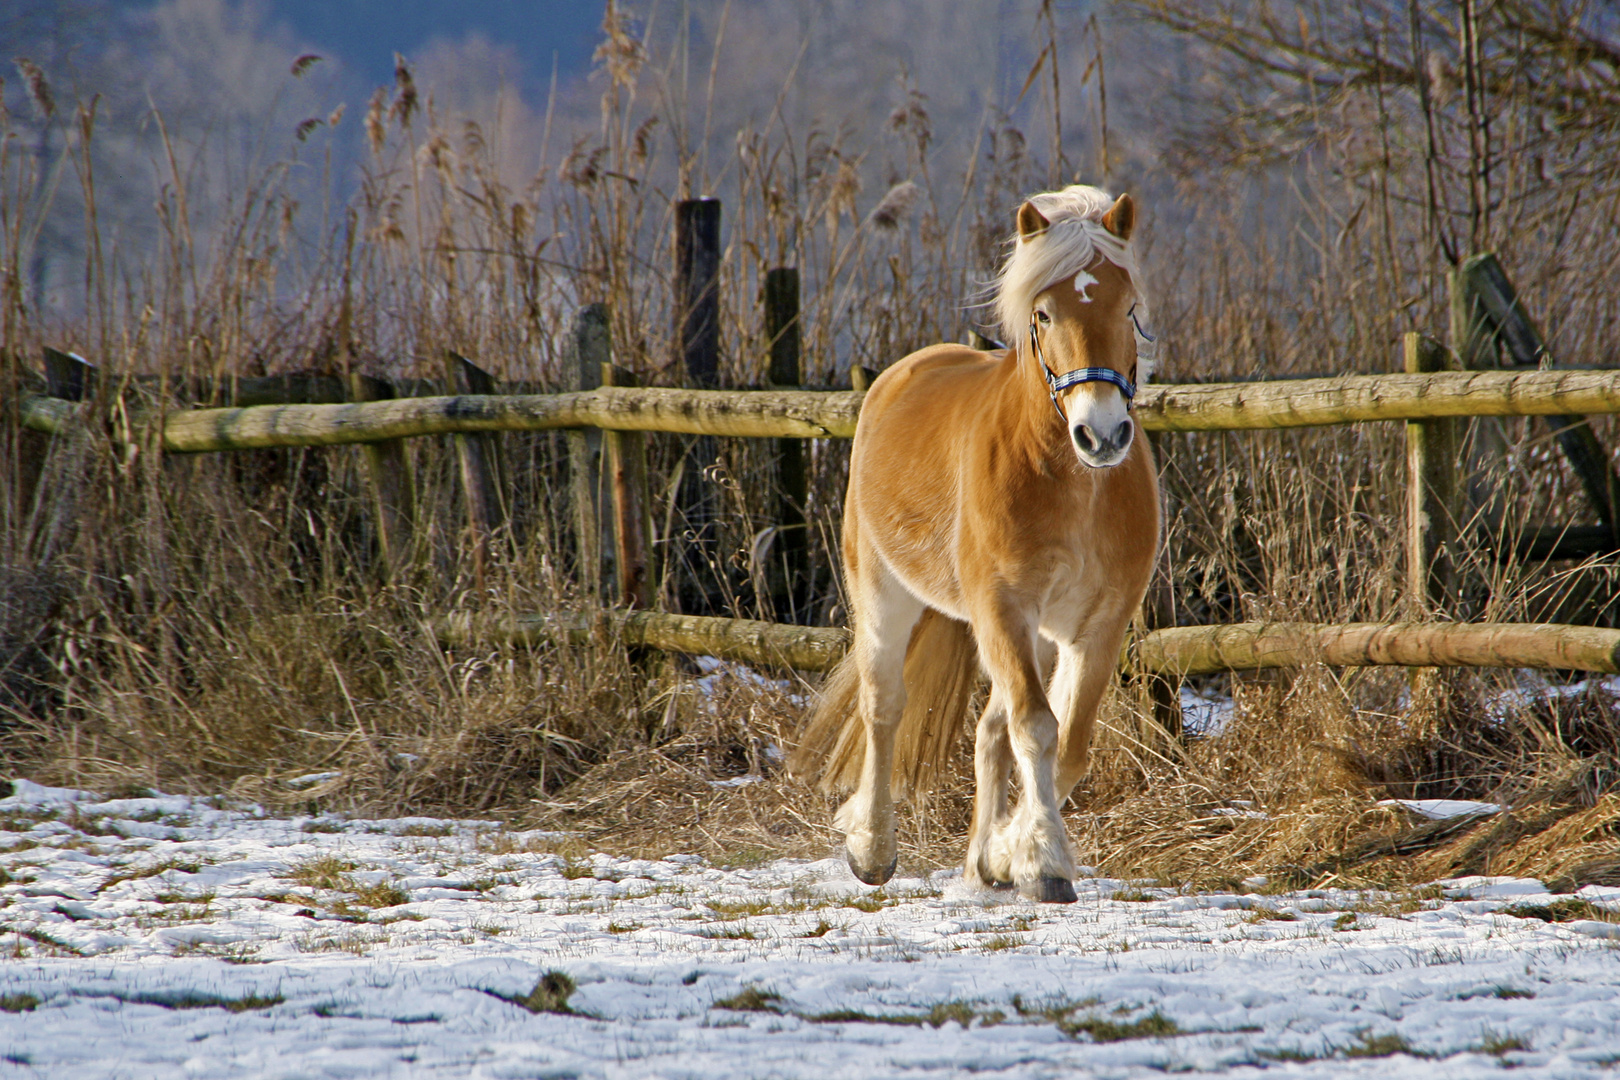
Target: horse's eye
1043 318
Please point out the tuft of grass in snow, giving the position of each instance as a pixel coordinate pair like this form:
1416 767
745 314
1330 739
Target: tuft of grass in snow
550 994
384 894
1564 909
1388 1044
354 942
751 999
321 872
733 908
17 1003
1155 1025
1135 896
1265 914
418 829
38 937
1053 1009
960 1012
137 874
230 954
195 999
1496 1043
1001 942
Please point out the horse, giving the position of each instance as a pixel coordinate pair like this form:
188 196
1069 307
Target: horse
1001 514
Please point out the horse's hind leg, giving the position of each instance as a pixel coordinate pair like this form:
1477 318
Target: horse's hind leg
885 614
992 764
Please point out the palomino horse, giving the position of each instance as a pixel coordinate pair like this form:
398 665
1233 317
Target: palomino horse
1000 509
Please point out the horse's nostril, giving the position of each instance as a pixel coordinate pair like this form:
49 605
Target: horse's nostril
1085 439
1122 434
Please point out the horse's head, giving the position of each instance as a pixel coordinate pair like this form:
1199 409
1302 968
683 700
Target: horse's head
1071 285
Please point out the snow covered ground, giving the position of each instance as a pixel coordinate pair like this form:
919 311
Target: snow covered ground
164 937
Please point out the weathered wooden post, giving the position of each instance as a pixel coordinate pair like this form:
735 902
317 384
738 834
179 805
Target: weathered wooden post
1484 441
68 375
592 347
632 504
783 331
1432 507
393 494
1492 295
479 457
697 340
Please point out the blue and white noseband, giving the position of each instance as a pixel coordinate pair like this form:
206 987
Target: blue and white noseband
1056 384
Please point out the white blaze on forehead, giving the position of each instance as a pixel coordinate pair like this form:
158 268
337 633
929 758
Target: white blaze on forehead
1082 282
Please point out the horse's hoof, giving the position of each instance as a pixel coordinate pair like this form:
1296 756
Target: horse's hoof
873 877
990 879
1049 890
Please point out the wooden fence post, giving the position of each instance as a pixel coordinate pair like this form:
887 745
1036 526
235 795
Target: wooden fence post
1493 296
479 457
632 504
1432 511
393 494
697 340
783 331
592 347
1484 442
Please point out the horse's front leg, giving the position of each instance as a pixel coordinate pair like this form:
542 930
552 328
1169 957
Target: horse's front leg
886 613
1032 848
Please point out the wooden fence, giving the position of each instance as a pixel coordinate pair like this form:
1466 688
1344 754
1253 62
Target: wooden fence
1428 398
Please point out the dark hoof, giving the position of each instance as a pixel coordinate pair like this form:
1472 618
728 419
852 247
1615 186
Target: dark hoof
1049 890
874 877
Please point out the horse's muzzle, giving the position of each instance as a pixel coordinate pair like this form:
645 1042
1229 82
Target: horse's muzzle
1103 450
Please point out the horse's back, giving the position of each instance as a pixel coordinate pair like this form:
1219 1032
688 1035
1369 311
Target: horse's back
935 379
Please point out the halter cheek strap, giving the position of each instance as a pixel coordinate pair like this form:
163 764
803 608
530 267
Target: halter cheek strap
1056 384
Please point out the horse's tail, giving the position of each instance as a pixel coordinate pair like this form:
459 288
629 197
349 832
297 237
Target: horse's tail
941 673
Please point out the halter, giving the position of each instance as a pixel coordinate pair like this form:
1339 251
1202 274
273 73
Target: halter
1056 384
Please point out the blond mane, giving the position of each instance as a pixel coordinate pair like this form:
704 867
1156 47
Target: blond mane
1075 240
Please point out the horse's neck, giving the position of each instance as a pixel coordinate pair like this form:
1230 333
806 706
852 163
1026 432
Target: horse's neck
1032 426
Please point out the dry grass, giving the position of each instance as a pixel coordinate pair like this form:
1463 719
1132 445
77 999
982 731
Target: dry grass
220 624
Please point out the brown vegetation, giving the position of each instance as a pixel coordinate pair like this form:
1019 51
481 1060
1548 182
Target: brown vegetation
221 623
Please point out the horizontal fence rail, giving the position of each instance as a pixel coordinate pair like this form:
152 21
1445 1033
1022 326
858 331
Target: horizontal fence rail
1203 650
805 414
807 648
1176 651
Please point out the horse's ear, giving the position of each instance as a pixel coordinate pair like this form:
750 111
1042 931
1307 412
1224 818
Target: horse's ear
1121 217
1031 223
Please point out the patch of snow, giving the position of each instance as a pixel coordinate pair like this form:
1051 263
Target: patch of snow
1534 686
311 779
1442 809
204 952
1205 714
737 781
